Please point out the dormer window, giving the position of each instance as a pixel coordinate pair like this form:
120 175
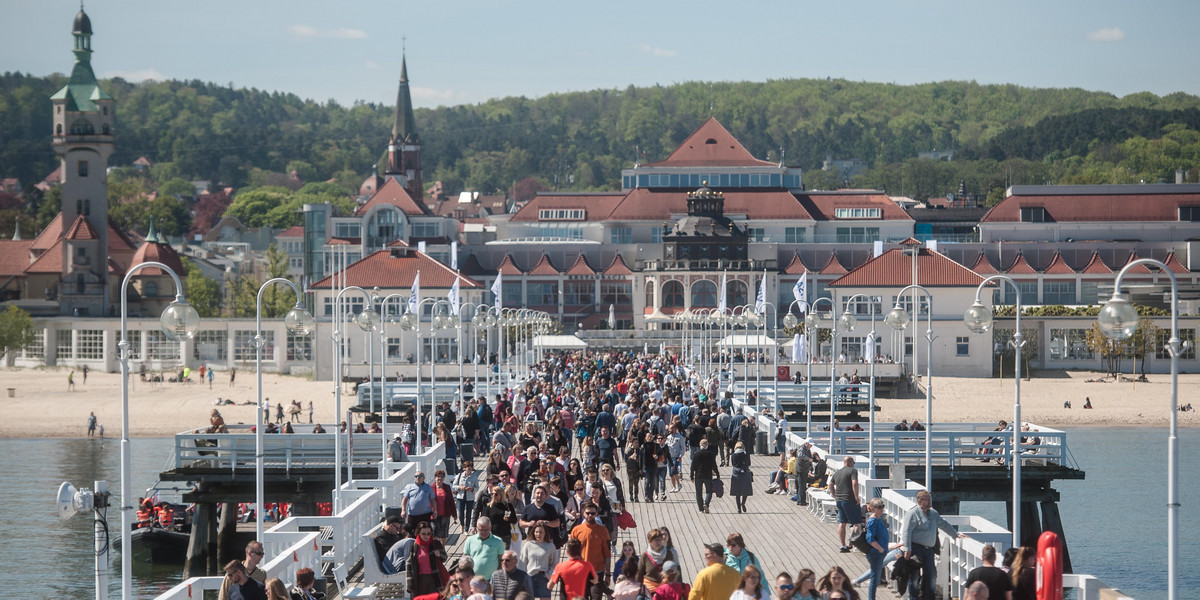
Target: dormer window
710 141
1189 213
1033 214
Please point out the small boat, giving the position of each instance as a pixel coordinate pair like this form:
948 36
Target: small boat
157 546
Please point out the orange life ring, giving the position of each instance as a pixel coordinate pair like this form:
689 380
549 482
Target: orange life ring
1049 567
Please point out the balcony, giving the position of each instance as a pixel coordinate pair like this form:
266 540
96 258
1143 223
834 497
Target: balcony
707 264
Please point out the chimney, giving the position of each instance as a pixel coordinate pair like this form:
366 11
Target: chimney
1179 176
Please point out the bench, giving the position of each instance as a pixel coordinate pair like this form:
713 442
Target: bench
345 590
373 574
821 504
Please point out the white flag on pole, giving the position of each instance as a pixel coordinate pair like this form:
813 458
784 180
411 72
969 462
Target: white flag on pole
869 349
721 303
454 255
760 303
453 297
800 292
414 295
798 348
497 290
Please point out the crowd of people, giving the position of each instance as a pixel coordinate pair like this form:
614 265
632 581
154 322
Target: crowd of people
542 479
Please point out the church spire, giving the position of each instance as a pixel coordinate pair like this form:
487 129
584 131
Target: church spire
404 128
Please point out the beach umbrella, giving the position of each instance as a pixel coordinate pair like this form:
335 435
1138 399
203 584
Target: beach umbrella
868 351
798 348
612 317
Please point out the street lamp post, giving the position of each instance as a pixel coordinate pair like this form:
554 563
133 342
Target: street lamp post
383 395
790 322
979 319
365 320
812 323
898 319
179 321
300 322
852 322
1118 320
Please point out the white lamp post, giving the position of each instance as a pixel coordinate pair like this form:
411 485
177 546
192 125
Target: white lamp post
979 319
1118 320
364 320
898 319
300 322
849 321
179 321
812 324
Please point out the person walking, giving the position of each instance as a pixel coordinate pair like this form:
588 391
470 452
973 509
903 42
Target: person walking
650 455
484 549
91 424
417 503
843 486
878 537
739 558
919 530
232 375
804 465
999 584
716 581
71 381
741 481
595 538
703 471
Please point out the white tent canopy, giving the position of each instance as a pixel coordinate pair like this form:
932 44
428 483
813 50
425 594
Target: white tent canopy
746 341
558 342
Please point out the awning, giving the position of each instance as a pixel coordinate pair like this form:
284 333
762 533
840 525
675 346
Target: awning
558 342
746 341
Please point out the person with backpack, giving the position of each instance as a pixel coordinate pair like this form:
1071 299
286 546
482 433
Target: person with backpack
738 557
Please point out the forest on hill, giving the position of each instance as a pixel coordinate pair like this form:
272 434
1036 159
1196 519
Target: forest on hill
1001 134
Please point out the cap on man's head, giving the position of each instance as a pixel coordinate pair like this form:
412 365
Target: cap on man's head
670 567
717 549
393 519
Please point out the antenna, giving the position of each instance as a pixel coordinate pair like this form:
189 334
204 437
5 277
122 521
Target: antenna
70 502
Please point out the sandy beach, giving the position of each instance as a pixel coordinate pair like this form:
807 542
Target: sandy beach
43 407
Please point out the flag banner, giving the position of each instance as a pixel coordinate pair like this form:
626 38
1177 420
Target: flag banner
453 297
454 255
497 290
760 303
721 303
800 292
414 296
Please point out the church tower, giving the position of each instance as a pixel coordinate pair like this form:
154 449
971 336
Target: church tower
404 146
83 141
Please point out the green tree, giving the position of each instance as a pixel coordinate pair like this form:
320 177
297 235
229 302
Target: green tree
177 186
1144 341
1111 351
279 298
202 292
243 294
16 332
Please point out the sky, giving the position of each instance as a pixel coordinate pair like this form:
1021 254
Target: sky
468 51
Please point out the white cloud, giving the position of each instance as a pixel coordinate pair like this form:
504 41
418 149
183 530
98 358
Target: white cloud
656 51
370 64
436 95
1106 34
137 76
339 33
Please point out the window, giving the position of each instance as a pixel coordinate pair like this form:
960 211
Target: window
211 344
37 348
704 294
621 293
962 345
425 230
855 347
1033 214
1029 292
351 305
160 347
243 345
757 234
864 308
513 294
562 214
83 168
857 213
578 293
62 345
735 293
442 350
672 293
1069 344
1089 292
566 233
543 294
795 235
908 347
857 235
89 344
347 230
656 235
1187 336
393 349
1189 213
1058 292
299 347
621 235
906 303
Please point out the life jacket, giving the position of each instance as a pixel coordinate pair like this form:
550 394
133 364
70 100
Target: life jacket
166 517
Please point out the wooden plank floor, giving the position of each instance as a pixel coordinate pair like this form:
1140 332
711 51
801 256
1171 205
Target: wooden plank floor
784 536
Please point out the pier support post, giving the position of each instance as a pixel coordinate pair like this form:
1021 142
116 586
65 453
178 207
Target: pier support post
1051 521
227 549
304 509
196 563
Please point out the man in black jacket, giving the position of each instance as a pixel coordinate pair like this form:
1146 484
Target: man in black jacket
704 471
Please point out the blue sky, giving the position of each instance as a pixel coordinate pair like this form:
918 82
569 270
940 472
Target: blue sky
471 50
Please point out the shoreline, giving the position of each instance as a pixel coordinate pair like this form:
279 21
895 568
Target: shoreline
43 408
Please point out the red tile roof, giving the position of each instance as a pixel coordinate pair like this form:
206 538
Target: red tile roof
81 230
14 257
1174 265
658 205
472 267
834 266
508 266
597 206
1140 269
382 269
1058 266
618 266
796 267
1020 266
894 269
49 262
163 253
544 267
1096 266
333 241
394 194
50 235
983 266
581 267
1094 207
823 206
711 145
295 231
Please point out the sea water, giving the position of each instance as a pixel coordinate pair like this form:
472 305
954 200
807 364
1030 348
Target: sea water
1115 520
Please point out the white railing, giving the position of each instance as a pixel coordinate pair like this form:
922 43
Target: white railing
359 505
236 450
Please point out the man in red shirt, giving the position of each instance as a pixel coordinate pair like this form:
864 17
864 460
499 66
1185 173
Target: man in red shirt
594 539
576 572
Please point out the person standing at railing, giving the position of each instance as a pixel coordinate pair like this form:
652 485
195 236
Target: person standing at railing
843 486
998 583
919 530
